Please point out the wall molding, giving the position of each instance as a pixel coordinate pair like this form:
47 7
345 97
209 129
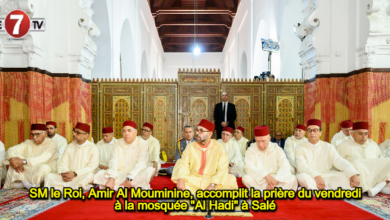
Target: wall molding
34 69
332 75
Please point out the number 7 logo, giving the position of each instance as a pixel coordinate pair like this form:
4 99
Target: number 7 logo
17 23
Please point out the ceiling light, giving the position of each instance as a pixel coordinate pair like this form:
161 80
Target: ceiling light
196 50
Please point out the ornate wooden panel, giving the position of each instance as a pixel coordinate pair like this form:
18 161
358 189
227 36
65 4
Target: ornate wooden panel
170 105
263 99
285 115
161 111
198 94
243 109
122 111
119 102
283 106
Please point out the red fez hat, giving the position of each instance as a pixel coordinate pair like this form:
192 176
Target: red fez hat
130 123
302 127
107 130
360 125
38 127
261 131
241 129
346 124
228 129
207 124
51 123
148 125
314 122
83 127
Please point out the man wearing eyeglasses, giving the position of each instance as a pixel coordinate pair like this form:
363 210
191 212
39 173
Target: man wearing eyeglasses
105 146
266 165
51 129
278 139
31 160
78 163
128 165
236 164
240 140
344 134
204 163
315 158
291 143
364 154
154 147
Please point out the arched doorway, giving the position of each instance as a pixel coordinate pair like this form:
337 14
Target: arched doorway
144 66
127 56
102 61
244 68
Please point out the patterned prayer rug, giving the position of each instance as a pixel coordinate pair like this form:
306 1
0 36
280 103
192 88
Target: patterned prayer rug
16 204
378 205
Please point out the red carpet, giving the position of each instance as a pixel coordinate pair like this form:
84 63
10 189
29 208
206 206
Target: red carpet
166 165
286 209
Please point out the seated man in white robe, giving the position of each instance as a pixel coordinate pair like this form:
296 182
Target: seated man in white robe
79 161
266 165
315 158
365 156
128 165
51 129
31 160
291 143
241 140
236 164
105 146
384 147
344 134
154 147
204 163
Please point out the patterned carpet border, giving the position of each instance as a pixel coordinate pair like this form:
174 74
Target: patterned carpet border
378 205
15 204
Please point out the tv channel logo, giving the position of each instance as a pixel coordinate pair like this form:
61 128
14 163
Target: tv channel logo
17 24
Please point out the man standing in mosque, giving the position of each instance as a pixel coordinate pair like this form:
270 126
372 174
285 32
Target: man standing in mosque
224 115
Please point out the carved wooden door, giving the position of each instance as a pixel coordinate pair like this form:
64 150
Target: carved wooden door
198 94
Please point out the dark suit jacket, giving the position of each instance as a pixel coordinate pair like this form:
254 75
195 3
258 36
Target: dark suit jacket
273 140
219 117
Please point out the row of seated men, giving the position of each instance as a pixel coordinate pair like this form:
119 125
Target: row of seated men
205 163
